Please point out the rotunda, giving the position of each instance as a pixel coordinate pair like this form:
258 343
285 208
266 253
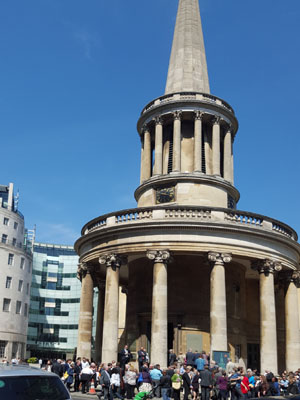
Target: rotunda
196 271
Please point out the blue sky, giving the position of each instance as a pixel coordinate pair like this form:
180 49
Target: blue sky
74 76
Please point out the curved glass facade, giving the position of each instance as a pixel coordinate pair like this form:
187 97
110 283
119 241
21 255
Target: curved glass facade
54 302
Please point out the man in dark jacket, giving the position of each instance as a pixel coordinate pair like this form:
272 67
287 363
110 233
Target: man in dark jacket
57 368
165 384
141 357
77 371
125 356
190 358
186 383
172 357
206 383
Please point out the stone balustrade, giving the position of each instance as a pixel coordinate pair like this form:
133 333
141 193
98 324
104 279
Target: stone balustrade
190 213
205 97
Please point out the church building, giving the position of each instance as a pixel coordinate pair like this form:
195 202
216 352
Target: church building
186 268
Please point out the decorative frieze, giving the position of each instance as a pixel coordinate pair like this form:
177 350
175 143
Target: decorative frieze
159 256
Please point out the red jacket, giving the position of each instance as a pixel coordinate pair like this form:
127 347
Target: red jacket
245 385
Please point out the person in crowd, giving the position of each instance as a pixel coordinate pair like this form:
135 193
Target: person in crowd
145 380
76 375
284 383
195 384
196 356
172 357
176 380
206 383
292 386
181 358
115 384
263 386
165 384
200 363
85 377
70 377
187 384
190 358
84 362
156 374
125 356
276 386
57 368
235 385
141 358
105 382
130 382
222 382
230 367
245 386
48 366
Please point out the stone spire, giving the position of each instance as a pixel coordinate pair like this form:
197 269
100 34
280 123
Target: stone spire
187 68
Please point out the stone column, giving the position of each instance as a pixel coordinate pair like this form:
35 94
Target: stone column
198 141
228 156
113 263
218 316
86 312
216 146
100 316
268 333
177 141
159 326
292 341
146 155
158 160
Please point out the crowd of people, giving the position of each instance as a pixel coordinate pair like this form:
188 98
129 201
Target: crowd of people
192 375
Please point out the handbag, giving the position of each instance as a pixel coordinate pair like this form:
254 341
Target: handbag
66 375
176 385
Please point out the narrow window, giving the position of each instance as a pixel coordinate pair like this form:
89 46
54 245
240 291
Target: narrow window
27 288
10 259
5 221
20 287
22 263
4 238
14 242
15 225
8 282
26 310
6 305
18 307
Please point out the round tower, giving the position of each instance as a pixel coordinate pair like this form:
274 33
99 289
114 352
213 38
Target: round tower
187 134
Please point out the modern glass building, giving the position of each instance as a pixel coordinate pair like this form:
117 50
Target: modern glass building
54 302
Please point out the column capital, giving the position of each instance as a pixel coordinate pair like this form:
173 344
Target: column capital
216 120
219 258
266 266
289 276
158 120
177 115
83 269
199 114
159 256
112 260
145 128
229 128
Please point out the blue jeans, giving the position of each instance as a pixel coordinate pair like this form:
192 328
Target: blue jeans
165 393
